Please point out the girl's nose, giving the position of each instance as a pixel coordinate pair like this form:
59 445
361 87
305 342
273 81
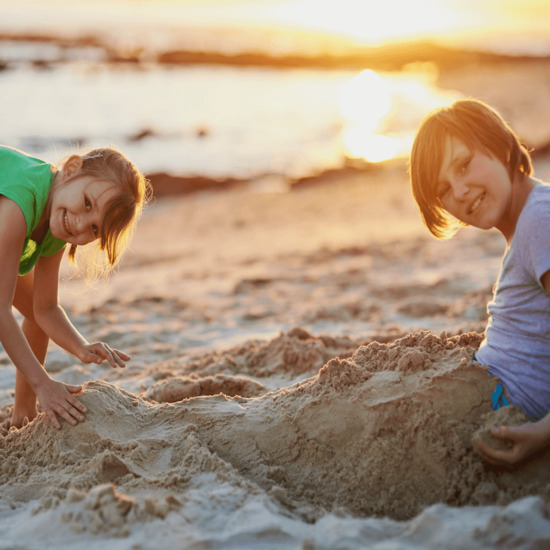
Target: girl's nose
460 188
83 224
80 224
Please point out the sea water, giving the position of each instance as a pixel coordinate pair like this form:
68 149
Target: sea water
211 120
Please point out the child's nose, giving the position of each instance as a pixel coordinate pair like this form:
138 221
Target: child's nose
82 224
460 188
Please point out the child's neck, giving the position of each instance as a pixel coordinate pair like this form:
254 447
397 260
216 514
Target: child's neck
44 224
521 188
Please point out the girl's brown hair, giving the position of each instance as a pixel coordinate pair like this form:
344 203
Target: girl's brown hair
480 128
108 164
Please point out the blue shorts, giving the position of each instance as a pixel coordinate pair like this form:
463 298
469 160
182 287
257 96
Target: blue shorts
497 398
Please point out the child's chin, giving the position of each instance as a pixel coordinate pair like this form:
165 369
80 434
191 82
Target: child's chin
60 236
482 225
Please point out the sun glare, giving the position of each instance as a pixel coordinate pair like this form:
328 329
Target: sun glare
365 102
368 21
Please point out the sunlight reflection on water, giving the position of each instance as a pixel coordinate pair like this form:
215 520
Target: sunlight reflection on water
215 121
374 111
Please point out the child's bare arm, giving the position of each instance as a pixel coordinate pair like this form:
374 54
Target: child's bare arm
524 440
54 322
55 397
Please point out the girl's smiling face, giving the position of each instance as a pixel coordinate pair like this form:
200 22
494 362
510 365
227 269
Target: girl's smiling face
473 187
78 208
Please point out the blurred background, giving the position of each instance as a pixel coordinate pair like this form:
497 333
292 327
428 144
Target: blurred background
226 90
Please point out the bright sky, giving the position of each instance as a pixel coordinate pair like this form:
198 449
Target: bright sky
379 20
355 18
369 21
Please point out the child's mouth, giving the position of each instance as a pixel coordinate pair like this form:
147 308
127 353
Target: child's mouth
66 223
476 203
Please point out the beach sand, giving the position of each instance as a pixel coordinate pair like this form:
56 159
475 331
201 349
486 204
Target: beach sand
301 378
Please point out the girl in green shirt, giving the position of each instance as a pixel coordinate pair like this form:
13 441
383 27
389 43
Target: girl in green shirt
94 197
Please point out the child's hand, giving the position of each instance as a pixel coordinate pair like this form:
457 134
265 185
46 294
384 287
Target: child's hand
56 400
99 352
524 440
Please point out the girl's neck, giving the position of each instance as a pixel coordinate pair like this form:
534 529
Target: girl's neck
48 208
521 188
44 224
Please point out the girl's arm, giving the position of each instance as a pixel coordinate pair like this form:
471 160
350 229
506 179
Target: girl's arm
524 440
54 396
54 322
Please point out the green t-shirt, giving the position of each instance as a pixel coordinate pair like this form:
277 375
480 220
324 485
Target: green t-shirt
27 181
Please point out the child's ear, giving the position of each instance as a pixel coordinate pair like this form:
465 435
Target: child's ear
72 166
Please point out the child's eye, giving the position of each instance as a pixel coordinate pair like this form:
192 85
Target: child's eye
464 166
87 203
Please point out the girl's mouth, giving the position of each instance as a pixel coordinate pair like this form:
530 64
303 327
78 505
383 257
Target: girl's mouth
476 203
66 223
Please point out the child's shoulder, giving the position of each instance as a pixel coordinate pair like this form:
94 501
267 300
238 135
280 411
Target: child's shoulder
539 198
17 166
8 153
24 179
535 215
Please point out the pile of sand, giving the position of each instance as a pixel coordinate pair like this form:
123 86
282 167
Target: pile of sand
385 431
290 354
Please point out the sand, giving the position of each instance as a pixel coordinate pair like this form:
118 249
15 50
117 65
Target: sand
384 432
301 378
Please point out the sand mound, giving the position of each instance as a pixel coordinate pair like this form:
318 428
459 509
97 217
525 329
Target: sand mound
384 432
291 353
151 453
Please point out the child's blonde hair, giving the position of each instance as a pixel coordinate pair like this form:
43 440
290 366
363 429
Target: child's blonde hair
481 129
110 165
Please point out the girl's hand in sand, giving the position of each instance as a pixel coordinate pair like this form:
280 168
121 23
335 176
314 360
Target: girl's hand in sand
56 400
99 352
524 441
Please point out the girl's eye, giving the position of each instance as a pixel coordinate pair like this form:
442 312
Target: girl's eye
464 165
87 203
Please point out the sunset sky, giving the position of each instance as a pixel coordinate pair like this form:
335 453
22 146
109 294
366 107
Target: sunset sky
363 20
371 21
353 18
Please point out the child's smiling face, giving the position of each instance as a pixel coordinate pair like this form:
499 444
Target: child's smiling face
78 209
473 187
